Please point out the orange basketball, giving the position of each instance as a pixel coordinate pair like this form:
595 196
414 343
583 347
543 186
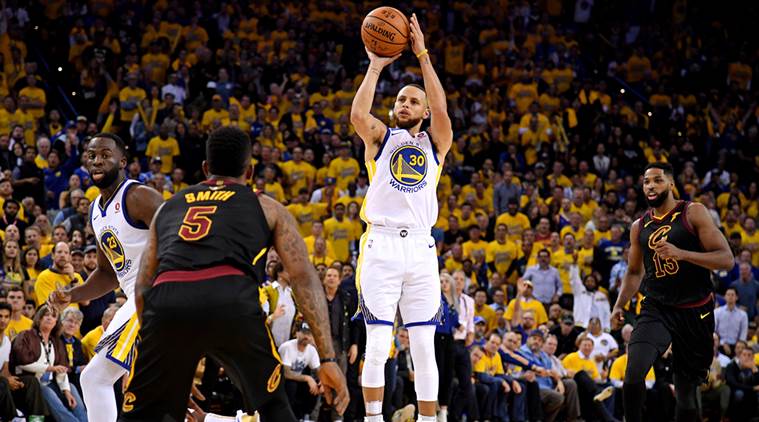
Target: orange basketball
385 31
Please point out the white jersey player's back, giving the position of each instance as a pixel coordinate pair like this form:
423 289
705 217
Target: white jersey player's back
121 239
403 179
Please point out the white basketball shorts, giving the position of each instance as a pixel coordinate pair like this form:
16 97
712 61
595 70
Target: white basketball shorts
398 269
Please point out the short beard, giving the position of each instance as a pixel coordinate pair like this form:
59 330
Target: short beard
408 124
659 200
109 178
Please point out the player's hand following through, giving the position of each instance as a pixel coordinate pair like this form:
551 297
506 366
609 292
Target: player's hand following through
59 298
379 61
667 250
416 35
335 388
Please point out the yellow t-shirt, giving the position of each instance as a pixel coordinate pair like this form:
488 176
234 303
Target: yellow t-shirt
133 96
210 115
619 367
532 305
299 175
48 281
574 362
488 314
90 340
752 239
306 214
36 94
470 246
502 254
340 234
344 171
275 190
166 149
15 327
515 224
491 365
562 261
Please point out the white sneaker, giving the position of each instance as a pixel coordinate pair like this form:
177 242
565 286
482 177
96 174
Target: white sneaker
442 415
404 414
604 394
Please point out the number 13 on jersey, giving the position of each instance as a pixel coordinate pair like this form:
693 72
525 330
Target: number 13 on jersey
196 223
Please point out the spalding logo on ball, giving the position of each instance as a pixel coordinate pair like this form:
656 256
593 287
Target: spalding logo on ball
385 31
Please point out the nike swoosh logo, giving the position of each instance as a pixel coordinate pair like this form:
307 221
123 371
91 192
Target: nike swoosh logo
705 315
431 246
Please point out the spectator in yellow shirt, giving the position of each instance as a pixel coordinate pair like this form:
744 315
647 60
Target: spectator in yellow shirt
163 146
515 221
216 113
339 231
18 322
299 174
345 168
500 253
61 274
475 243
581 361
35 97
482 309
130 97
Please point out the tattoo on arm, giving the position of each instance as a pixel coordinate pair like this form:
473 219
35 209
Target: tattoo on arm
307 287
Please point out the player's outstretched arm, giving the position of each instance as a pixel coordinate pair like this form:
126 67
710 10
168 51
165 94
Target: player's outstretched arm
717 254
309 294
369 128
148 268
440 123
632 278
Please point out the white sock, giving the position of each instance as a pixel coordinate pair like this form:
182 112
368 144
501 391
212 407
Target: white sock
97 382
374 418
423 418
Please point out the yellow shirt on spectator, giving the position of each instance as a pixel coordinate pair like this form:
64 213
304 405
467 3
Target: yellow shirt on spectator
531 305
501 255
515 224
167 149
488 314
491 365
299 175
49 280
305 215
575 362
90 340
275 190
36 94
344 171
523 95
452 265
132 96
340 233
562 261
619 367
209 116
470 246
155 66
15 327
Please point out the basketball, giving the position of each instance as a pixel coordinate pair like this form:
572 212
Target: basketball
385 31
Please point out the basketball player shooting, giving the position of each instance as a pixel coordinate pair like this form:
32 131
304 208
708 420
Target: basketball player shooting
673 249
397 265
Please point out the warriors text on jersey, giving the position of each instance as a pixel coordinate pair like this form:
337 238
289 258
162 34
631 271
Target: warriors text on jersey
670 281
403 182
121 239
212 224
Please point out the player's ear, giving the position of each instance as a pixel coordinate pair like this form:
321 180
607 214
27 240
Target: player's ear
426 114
249 172
206 171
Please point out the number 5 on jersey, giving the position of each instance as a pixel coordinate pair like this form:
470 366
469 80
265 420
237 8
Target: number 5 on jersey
196 223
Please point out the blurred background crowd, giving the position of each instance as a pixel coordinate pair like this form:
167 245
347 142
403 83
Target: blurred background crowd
556 106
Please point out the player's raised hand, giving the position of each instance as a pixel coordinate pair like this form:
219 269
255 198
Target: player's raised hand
379 61
416 35
335 388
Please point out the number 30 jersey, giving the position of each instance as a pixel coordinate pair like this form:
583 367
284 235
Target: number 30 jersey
403 179
210 224
669 281
121 239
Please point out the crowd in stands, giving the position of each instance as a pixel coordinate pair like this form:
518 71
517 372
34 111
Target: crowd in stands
556 106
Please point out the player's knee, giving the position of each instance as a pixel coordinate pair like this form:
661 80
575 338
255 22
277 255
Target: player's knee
379 339
422 345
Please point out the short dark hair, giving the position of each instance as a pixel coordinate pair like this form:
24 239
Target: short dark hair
733 289
228 152
546 250
120 144
665 167
6 306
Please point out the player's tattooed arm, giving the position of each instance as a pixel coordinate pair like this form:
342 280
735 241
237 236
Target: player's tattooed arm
148 268
142 203
308 289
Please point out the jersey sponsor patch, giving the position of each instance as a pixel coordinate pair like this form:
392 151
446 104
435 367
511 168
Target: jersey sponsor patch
408 166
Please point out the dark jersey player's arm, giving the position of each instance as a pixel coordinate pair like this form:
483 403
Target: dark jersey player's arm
634 275
717 254
303 278
148 267
141 203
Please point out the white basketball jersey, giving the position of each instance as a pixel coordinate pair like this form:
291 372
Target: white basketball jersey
121 239
403 181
